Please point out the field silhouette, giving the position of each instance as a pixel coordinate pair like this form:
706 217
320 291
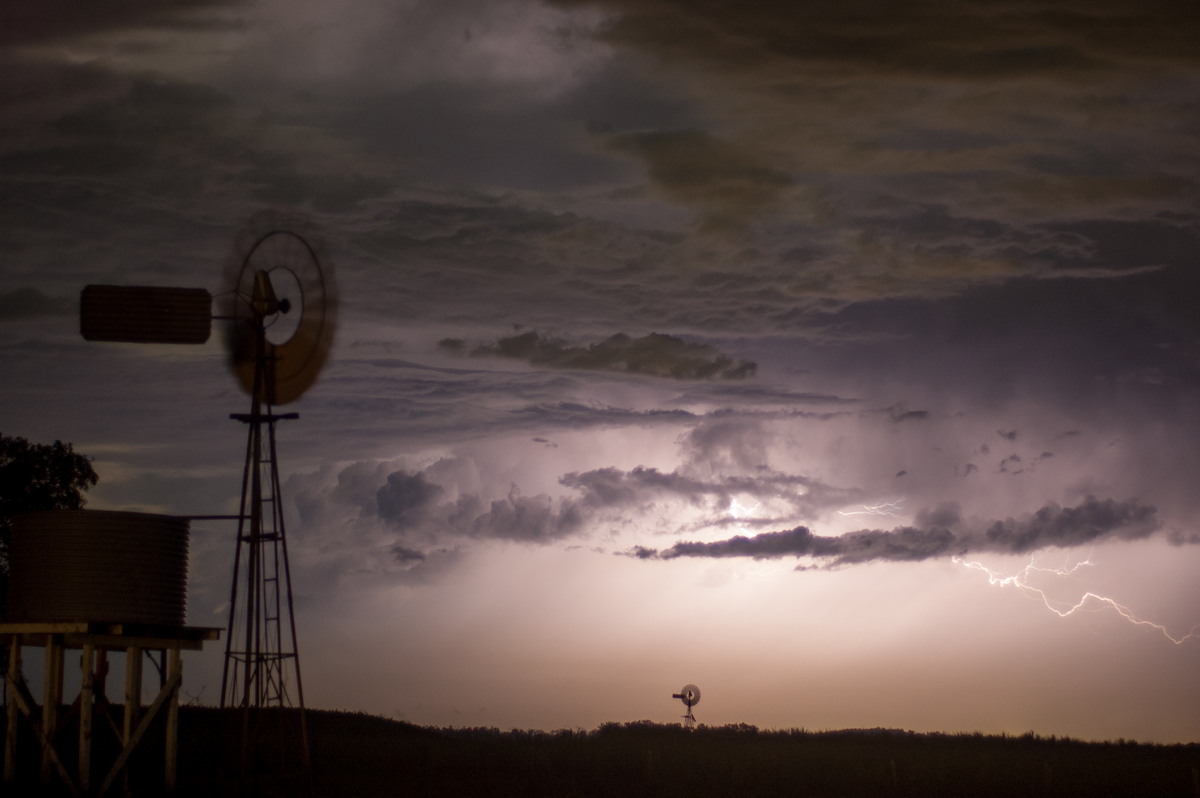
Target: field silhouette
364 755
356 754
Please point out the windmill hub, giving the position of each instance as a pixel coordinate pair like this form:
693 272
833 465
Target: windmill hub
272 272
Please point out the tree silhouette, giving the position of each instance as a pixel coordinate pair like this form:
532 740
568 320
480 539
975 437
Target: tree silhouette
37 476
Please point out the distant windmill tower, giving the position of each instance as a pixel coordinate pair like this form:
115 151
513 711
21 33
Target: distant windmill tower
690 696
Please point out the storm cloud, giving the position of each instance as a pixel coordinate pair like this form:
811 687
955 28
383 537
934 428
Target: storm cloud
655 355
609 488
940 532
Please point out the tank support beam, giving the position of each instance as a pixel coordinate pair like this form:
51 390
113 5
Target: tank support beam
13 667
50 704
94 641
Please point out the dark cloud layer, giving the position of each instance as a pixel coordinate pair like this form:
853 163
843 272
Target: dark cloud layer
729 185
406 499
656 355
947 38
415 510
609 488
411 512
28 23
940 532
21 303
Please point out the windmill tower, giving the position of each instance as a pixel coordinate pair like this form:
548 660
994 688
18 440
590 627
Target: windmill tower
281 312
280 307
690 696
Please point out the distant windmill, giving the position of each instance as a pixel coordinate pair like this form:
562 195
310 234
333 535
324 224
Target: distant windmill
690 696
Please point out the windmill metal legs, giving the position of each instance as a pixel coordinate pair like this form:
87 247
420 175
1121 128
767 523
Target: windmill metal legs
261 654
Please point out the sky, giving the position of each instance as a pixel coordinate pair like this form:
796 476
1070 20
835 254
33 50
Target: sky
842 361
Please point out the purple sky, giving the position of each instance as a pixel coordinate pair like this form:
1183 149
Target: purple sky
798 355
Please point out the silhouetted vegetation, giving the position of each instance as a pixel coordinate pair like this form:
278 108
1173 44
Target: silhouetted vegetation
365 755
37 476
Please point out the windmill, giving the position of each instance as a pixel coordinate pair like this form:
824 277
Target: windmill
280 308
690 696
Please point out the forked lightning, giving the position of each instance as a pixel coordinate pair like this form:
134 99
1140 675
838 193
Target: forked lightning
1062 609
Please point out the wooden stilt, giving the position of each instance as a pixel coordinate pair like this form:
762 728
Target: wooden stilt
175 667
86 712
26 706
133 697
133 690
14 712
52 697
165 698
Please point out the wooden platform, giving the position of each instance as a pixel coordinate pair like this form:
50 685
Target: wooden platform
110 636
94 639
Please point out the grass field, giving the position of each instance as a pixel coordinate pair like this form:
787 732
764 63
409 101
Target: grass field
362 756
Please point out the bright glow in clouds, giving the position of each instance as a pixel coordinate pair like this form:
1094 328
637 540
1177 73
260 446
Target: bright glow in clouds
402 46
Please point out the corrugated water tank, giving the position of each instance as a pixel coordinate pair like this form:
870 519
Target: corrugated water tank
98 565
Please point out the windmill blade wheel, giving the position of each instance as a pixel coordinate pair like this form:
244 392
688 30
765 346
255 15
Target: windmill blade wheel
689 695
278 283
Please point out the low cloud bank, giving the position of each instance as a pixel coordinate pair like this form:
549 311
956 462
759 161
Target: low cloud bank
940 532
655 355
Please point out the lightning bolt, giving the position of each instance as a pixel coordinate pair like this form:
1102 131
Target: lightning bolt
737 510
889 509
1062 609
